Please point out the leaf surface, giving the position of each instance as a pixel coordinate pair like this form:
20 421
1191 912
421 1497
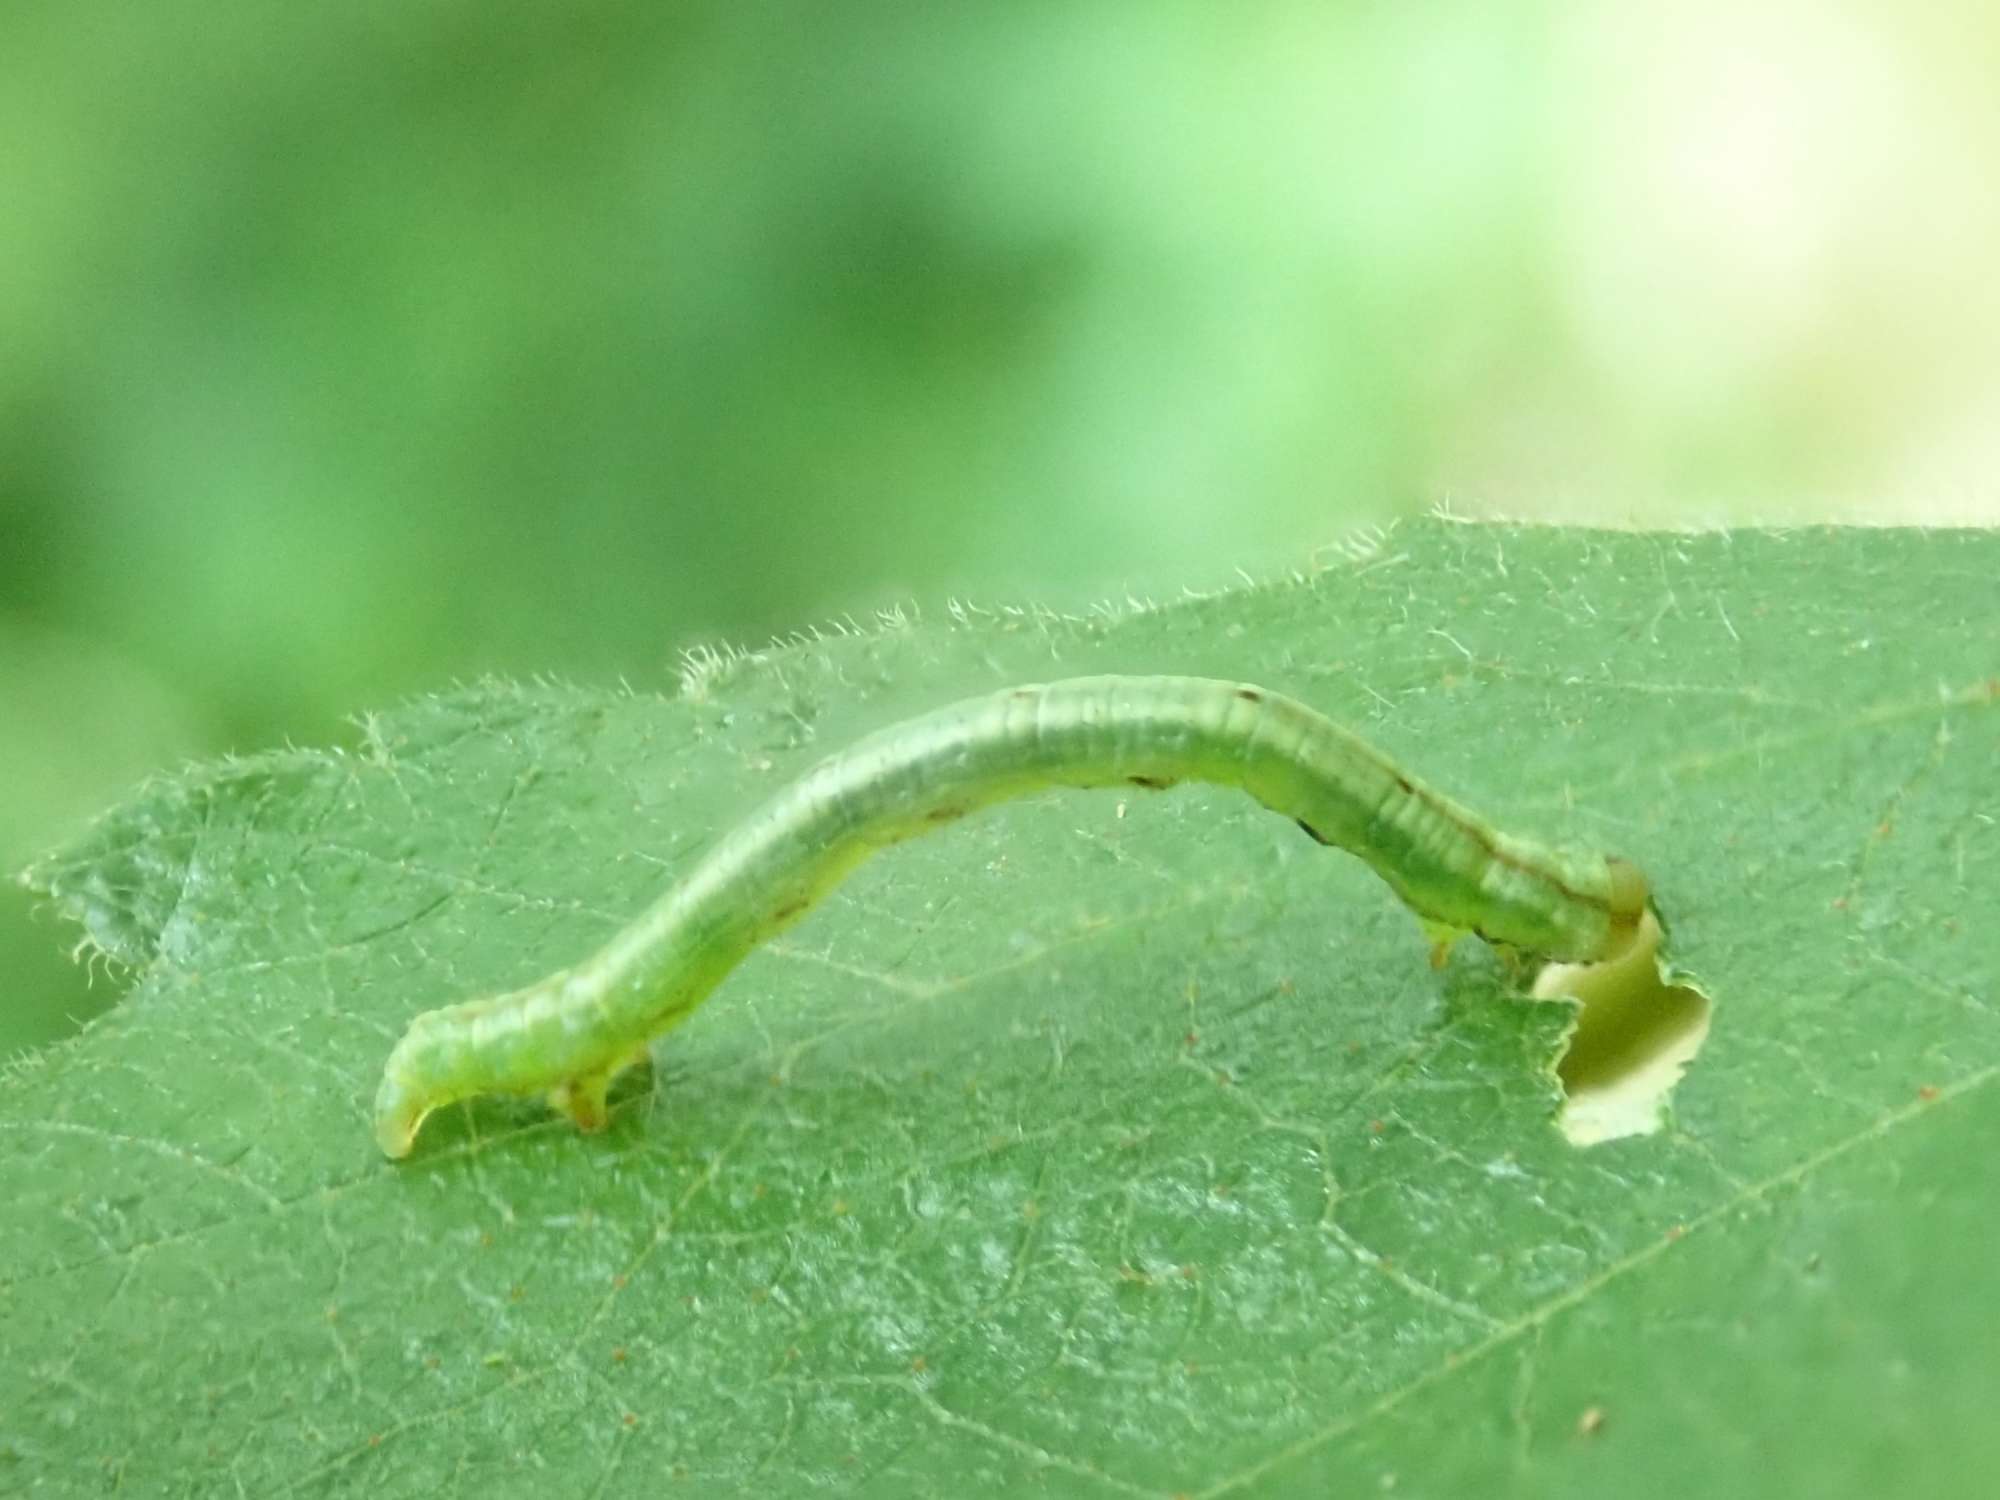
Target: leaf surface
1119 1145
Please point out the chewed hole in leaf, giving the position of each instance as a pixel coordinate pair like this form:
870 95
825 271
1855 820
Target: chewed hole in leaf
1636 1034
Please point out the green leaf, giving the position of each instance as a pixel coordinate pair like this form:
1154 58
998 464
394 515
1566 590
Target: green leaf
1100 1145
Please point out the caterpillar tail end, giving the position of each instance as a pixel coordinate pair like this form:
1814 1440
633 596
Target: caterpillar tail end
399 1115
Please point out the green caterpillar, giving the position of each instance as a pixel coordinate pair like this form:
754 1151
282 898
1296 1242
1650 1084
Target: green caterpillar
568 1035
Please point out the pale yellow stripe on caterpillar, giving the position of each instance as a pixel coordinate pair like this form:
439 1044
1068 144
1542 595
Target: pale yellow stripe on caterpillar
569 1034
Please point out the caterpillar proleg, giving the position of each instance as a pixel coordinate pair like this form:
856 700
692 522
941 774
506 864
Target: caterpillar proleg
568 1034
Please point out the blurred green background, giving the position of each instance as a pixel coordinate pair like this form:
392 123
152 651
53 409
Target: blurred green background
348 352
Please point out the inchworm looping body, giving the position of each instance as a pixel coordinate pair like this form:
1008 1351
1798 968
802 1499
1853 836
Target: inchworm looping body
569 1034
